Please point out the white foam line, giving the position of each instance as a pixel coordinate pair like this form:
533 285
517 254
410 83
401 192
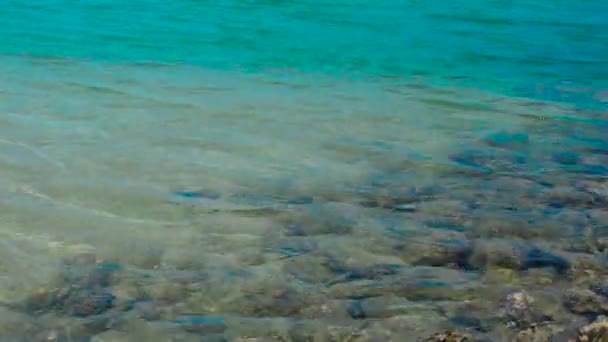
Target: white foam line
96 212
35 151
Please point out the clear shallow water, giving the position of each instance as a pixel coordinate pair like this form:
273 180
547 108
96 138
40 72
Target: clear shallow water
290 170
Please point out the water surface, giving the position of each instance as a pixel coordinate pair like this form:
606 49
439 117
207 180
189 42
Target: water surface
300 170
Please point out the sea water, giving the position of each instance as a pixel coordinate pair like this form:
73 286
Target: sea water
296 169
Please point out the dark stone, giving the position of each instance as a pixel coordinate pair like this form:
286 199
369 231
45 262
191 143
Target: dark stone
468 321
585 302
449 336
200 194
440 253
84 303
348 273
272 302
537 258
594 170
446 223
409 208
295 247
355 310
300 200
504 139
369 203
83 291
563 197
414 284
600 290
567 158
497 252
485 162
594 332
521 313
295 230
202 324
148 310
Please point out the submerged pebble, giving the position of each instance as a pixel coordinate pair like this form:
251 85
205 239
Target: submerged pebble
567 158
594 332
450 336
585 302
202 324
510 140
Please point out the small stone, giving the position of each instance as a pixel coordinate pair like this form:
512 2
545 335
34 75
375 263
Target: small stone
347 273
111 336
519 310
594 332
356 311
200 194
300 200
202 324
508 140
148 311
83 303
562 197
585 302
409 208
295 230
537 258
278 301
567 158
468 321
449 336
534 333
166 292
497 252
439 250
295 247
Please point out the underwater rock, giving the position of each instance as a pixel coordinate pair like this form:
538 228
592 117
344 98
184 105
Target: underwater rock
83 291
563 197
594 332
515 255
279 301
484 162
508 140
399 199
199 194
111 336
356 311
535 333
13 324
389 306
349 273
202 324
300 200
518 225
85 302
441 249
315 222
521 312
165 291
148 311
497 252
293 247
407 208
585 302
308 268
538 258
567 158
419 283
450 336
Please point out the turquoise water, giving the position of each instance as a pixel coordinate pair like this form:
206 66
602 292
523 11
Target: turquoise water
532 48
300 171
